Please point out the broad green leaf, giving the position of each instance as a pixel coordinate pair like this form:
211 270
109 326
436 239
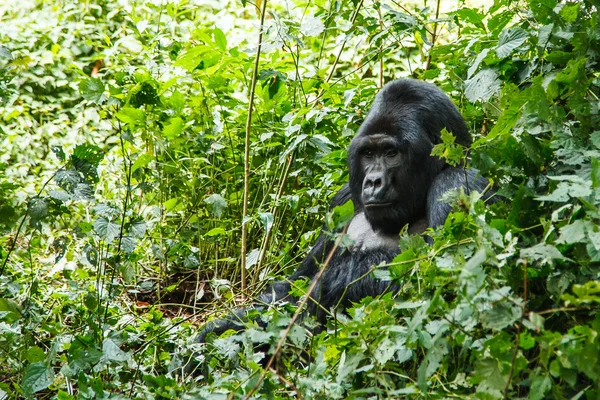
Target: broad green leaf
132 116
174 128
112 352
92 90
543 253
540 385
106 229
482 86
218 203
266 219
9 310
36 377
142 161
510 39
470 15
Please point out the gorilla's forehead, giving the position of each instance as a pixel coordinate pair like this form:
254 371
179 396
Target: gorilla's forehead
376 139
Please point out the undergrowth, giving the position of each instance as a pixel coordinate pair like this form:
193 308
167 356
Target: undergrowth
124 172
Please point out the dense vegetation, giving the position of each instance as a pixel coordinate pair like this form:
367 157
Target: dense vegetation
124 133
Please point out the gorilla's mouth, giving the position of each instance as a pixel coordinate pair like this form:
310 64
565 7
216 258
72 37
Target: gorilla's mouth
377 205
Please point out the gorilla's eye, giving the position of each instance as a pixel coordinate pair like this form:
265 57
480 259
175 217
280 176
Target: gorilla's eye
368 153
391 153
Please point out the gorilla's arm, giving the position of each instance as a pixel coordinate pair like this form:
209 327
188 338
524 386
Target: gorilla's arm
451 178
279 290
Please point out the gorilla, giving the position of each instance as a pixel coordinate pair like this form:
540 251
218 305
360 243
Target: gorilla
394 182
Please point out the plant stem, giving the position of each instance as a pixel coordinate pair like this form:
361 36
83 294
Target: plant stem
434 34
247 149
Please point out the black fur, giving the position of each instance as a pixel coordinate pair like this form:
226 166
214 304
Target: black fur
394 181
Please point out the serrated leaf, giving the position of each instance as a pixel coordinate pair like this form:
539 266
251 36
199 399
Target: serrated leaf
217 202
112 352
59 195
509 40
312 26
132 116
128 244
142 161
67 179
83 191
37 376
540 385
191 261
482 86
174 128
544 253
106 229
106 210
138 229
92 90
38 208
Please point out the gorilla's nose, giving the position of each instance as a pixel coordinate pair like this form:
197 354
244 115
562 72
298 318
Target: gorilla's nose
374 187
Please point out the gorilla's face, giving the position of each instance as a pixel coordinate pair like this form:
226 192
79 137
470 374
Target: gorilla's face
391 167
389 178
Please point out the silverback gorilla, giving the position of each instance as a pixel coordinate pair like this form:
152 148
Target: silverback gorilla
394 181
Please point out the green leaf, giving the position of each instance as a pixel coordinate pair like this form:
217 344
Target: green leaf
569 12
215 232
510 39
132 116
543 253
252 258
106 229
174 128
142 161
200 57
470 15
112 352
340 216
595 173
482 86
218 203
540 385
220 39
9 310
92 90
5 53
37 376
266 219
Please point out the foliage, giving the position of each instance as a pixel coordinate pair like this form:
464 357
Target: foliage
121 187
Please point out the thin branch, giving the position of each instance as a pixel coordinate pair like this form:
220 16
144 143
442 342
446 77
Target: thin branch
434 34
299 310
247 149
518 327
263 250
380 48
339 55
